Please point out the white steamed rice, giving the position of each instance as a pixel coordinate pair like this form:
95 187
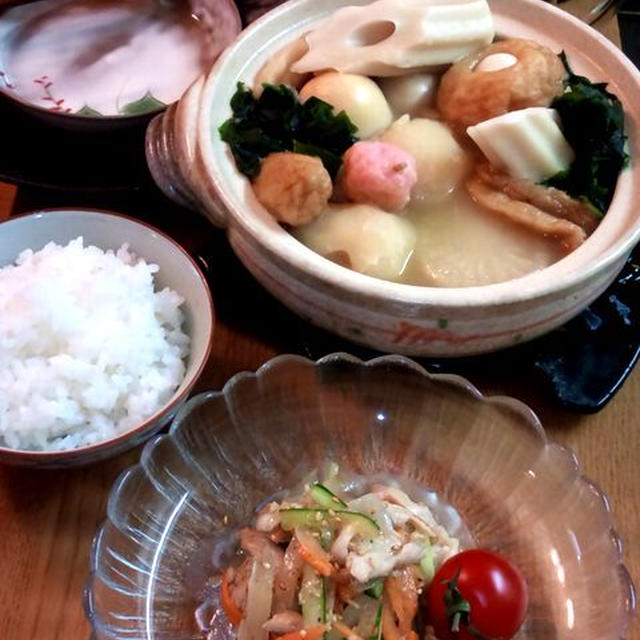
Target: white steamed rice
88 349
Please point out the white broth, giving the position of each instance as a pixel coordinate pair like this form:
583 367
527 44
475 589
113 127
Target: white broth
459 245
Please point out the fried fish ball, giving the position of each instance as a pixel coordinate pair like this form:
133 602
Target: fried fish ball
472 91
294 188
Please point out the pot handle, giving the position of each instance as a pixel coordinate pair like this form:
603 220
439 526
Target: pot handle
171 149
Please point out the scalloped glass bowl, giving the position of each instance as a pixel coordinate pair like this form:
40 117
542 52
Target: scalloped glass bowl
487 457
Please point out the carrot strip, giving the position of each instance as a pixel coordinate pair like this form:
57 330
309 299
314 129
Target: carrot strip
403 598
389 629
347 632
313 554
396 599
231 609
322 566
310 633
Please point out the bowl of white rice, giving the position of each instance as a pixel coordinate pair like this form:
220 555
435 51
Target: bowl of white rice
105 325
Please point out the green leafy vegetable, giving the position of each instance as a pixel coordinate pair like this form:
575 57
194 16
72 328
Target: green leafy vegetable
147 103
593 123
278 121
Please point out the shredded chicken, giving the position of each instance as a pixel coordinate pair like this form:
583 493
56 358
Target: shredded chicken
284 622
384 556
340 547
418 515
260 547
345 565
288 578
268 518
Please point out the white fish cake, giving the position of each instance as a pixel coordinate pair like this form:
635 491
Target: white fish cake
377 243
441 161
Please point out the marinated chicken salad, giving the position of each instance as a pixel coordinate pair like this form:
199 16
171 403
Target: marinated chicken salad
329 562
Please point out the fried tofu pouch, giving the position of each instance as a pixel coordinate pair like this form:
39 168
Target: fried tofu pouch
468 95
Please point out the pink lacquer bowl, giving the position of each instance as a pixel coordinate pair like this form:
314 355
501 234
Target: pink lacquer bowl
486 461
193 166
95 66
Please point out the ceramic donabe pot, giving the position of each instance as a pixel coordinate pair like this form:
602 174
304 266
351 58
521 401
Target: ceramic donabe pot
194 167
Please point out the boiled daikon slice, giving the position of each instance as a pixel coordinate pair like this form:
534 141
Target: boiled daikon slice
389 38
527 143
461 246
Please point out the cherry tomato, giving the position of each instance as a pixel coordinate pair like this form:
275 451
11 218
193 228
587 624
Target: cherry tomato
480 594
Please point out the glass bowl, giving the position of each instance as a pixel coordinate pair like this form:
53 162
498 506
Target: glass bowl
486 457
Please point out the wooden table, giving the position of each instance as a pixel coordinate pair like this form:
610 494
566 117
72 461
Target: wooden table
47 519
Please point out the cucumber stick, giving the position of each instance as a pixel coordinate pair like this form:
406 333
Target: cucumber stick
318 519
376 589
377 627
325 497
313 598
427 565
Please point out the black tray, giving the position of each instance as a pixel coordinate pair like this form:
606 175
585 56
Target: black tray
34 153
